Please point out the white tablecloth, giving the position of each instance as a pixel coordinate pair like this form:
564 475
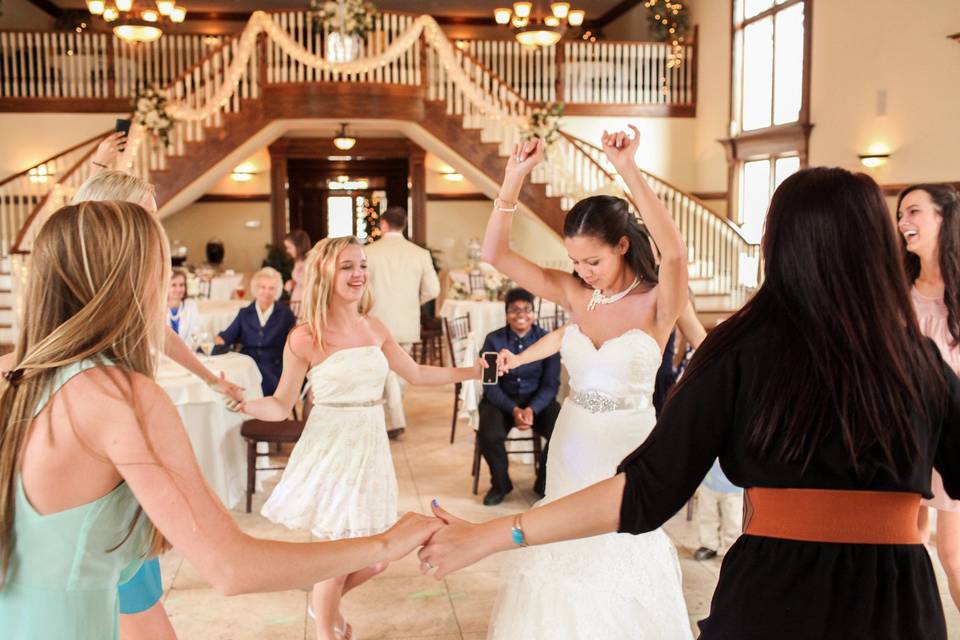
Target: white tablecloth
216 315
214 431
485 316
222 287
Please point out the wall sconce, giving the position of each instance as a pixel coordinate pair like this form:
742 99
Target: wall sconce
243 173
873 160
342 141
452 176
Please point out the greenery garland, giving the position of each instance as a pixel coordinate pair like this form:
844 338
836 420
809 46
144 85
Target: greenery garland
545 123
668 21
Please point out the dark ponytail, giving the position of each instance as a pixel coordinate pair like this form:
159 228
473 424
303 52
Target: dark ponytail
608 219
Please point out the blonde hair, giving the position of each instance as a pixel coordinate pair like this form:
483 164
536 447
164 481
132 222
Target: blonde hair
268 272
94 291
321 267
113 185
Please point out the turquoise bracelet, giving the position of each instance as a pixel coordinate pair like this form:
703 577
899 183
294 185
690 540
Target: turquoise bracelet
516 532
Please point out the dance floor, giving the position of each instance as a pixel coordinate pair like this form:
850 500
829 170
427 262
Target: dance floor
402 604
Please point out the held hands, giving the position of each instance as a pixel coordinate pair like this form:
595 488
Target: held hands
525 156
233 391
411 532
108 150
621 149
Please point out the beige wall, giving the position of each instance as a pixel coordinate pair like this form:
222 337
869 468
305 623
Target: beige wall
29 138
903 53
20 14
201 221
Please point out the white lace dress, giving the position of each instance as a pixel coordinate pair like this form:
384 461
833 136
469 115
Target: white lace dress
340 481
610 587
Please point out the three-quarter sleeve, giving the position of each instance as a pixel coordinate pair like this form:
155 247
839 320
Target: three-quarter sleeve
947 459
663 472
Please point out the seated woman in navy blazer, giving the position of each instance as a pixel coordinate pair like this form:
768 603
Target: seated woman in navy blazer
261 329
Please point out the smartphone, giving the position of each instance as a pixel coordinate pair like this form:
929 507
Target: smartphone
122 125
490 374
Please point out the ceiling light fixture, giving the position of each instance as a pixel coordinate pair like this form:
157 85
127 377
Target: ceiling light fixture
137 23
873 160
537 28
342 141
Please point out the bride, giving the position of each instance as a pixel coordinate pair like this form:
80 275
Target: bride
623 309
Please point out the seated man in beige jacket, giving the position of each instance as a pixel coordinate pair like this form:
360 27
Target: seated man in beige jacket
401 279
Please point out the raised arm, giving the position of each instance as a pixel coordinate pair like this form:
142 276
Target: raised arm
621 149
408 369
540 350
690 326
546 283
154 456
296 362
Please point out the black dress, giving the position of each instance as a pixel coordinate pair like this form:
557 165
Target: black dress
776 589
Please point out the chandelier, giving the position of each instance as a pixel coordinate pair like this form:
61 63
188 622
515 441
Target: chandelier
137 24
539 30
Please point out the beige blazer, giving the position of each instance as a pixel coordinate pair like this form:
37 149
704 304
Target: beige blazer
401 278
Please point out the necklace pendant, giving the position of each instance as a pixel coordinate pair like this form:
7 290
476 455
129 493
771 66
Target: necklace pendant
595 299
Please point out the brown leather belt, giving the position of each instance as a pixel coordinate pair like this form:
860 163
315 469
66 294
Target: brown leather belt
823 515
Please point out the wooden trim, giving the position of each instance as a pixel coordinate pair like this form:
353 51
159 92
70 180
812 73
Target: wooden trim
472 21
769 12
613 13
417 175
709 195
630 110
894 189
457 197
278 196
234 197
496 76
769 141
47 7
52 158
226 16
66 105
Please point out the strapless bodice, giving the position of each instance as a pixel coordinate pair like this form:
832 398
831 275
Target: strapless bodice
353 375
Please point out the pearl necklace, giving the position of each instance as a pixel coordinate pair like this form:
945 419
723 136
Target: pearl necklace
598 298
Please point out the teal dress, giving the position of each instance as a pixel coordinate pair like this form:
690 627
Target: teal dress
63 578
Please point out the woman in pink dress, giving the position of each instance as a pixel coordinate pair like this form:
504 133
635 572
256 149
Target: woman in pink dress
297 243
928 218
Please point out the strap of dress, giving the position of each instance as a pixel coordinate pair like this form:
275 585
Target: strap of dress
63 375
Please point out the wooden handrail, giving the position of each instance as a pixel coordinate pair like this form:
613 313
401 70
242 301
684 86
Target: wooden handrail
15 248
52 158
495 76
690 196
199 63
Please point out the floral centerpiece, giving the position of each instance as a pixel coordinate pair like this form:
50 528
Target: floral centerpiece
496 285
544 123
349 18
150 112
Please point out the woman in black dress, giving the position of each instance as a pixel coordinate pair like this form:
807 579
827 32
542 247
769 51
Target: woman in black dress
820 397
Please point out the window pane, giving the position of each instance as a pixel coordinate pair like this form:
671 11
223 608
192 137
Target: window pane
753 7
757 74
339 216
784 168
788 80
754 197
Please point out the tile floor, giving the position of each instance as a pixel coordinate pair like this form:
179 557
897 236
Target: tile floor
402 604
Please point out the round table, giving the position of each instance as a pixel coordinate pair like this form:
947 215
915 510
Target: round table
485 316
222 287
216 315
214 431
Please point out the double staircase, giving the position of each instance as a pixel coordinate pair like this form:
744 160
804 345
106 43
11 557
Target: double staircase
437 91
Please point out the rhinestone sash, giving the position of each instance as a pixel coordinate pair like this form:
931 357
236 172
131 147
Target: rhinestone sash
599 402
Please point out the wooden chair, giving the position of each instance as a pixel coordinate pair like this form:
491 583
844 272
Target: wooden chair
551 322
430 348
276 433
477 283
537 447
457 331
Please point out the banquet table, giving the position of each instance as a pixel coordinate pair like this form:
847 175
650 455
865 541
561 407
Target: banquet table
222 287
216 315
214 430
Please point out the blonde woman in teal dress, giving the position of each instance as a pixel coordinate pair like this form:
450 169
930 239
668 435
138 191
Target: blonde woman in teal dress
96 470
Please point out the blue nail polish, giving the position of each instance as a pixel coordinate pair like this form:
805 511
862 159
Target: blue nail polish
435 503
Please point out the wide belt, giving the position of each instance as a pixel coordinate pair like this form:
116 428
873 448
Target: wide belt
599 402
823 515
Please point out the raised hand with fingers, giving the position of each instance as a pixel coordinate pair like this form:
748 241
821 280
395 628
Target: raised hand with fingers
621 148
507 361
108 150
525 156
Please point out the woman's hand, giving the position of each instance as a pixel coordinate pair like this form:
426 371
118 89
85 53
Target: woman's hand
478 368
457 545
525 156
410 532
621 149
108 150
507 361
233 391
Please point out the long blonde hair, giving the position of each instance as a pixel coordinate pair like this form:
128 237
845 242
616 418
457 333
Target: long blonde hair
113 185
95 289
321 267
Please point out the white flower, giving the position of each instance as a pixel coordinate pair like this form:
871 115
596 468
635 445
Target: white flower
152 119
143 105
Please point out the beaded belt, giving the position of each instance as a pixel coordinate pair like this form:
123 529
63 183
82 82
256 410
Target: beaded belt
350 405
600 402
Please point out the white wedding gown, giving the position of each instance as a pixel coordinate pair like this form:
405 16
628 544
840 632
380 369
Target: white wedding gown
610 587
340 481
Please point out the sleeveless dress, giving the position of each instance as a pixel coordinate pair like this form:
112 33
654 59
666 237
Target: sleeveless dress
62 581
340 481
932 316
615 586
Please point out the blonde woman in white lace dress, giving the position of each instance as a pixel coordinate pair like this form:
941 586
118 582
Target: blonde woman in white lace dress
340 481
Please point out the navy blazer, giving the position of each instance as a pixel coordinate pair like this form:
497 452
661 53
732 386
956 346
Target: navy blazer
263 344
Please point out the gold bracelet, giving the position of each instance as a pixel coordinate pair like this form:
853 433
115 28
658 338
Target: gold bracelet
498 206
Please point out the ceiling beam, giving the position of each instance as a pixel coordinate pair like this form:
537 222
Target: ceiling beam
47 7
614 12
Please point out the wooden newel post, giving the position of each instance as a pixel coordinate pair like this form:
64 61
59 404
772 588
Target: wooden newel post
560 61
111 67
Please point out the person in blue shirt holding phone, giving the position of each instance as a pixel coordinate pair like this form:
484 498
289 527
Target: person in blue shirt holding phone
525 398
